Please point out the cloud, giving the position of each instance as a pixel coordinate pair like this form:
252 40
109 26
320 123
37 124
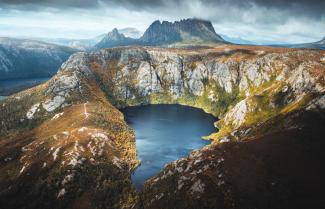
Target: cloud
275 20
312 8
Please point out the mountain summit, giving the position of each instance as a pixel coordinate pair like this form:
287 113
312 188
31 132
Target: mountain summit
194 30
189 31
114 38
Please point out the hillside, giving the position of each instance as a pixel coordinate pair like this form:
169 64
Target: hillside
65 144
22 58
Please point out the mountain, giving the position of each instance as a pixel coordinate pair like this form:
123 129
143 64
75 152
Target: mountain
113 39
315 45
22 58
321 42
65 144
130 32
238 40
89 43
79 44
188 31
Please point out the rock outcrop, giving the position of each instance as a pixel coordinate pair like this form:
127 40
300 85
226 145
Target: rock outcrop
67 145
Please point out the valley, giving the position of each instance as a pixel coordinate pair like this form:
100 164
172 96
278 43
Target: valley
67 144
158 104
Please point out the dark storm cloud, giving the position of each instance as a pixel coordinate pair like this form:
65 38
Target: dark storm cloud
312 8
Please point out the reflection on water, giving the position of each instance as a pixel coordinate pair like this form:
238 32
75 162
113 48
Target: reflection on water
165 133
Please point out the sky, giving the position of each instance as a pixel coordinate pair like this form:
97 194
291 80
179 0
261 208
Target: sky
271 21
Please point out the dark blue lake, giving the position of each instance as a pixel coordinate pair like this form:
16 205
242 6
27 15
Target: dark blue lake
165 133
8 87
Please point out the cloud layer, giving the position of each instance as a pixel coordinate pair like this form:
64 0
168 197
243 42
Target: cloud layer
256 20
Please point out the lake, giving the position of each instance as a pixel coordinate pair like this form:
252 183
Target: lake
165 133
8 87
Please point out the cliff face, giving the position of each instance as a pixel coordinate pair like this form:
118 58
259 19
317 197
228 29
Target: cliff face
67 144
188 30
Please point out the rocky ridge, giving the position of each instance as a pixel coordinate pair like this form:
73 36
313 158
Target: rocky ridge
187 31
69 130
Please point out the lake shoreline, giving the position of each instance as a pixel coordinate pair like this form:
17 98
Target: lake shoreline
165 133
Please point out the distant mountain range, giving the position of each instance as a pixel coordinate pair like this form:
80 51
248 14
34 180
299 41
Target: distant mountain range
238 40
315 45
22 58
130 32
189 31
88 44
79 44
115 38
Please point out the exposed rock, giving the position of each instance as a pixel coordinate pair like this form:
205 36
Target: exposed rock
52 104
32 110
236 116
166 32
261 101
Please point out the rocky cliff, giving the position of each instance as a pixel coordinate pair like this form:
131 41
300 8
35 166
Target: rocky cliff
188 30
66 144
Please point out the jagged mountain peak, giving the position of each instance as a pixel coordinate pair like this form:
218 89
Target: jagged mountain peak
188 31
115 35
192 29
130 32
115 38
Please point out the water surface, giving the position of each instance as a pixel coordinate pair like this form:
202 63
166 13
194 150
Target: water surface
165 133
8 87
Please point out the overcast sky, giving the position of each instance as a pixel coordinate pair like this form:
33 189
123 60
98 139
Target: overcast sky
292 21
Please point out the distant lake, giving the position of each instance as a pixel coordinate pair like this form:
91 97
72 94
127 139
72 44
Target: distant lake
165 133
8 87
2 98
